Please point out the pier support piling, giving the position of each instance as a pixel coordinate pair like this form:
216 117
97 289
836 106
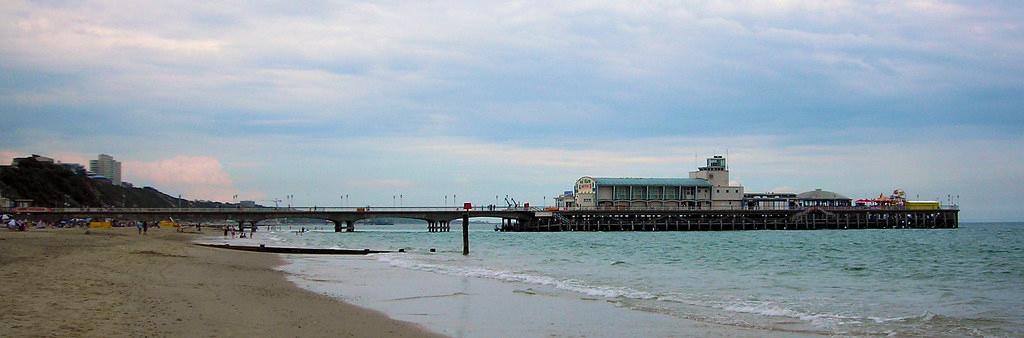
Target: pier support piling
465 234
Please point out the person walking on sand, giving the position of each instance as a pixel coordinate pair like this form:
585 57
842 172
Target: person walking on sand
145 228
138 225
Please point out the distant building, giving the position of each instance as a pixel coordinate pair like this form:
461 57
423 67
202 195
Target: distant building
100 178
23 203
5 202
247 204
76 168
106 166
40 159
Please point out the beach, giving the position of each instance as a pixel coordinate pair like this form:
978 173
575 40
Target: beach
115 283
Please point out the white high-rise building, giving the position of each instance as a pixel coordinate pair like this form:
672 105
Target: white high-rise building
106 166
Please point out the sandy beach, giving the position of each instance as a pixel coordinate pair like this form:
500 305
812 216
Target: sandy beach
111 283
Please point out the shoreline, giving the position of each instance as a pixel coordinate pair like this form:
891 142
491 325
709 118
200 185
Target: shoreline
114 282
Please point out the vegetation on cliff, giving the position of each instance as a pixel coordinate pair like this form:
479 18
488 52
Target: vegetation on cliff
50 185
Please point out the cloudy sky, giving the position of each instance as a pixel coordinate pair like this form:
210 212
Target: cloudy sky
478 99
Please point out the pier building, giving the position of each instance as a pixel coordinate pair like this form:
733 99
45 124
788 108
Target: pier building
822 198
565 200
787 200
723 194
706 188
653 193
769 200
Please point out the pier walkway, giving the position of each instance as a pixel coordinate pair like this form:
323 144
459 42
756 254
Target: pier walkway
438 218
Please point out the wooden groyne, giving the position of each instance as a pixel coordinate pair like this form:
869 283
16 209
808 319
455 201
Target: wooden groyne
311 251
728 220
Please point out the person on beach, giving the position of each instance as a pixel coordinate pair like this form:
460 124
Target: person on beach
145 228
138 225
225 231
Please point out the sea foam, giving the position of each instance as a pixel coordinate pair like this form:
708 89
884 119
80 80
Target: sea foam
574 285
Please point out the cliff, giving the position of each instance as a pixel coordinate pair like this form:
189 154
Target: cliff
50 185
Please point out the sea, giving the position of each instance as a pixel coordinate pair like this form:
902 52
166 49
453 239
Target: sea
950 282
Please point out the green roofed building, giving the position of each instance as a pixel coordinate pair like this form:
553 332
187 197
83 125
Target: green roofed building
706 188
649 193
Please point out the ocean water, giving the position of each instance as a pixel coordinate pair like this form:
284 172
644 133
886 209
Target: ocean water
956 282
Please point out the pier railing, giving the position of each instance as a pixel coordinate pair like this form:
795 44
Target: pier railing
295 209
629 208
369 209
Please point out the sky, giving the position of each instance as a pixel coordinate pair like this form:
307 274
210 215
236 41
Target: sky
447 100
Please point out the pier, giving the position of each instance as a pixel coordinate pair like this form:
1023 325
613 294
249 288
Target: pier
541 220
439 219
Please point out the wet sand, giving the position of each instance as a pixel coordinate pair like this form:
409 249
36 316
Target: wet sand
113 283
480 307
